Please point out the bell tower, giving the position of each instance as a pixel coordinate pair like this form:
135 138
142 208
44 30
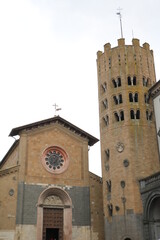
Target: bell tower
127 132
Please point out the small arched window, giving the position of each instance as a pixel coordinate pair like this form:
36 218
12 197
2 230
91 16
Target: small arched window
119 82
136 97
105 103
115 98
132 114
138 114
134 80
106 120
129 80
149 115
104 86
118 99
145 82
131 97
119 116
146 98
122 115
114 83
116 116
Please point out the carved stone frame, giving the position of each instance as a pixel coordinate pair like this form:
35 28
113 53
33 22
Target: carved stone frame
67 211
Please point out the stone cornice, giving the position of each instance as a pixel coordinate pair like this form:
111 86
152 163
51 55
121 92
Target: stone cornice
9 170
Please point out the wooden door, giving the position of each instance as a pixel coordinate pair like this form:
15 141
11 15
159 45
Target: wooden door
53 224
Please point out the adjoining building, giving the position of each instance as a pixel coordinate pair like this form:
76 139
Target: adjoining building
150 186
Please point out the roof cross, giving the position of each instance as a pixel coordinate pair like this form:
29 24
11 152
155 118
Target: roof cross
56 108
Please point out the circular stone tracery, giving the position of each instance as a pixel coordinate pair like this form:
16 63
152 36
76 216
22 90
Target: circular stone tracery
55 159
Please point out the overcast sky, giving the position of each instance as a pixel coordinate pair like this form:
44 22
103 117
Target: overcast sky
48 54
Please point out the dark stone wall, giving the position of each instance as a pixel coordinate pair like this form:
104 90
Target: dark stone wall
28 197
121 227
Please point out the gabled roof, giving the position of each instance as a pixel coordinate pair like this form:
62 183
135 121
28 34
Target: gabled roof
57 119
14 145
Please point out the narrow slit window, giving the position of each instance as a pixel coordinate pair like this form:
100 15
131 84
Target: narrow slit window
107 152
108 185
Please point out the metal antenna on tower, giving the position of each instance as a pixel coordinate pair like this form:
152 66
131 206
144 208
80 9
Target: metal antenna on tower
56 108
120 18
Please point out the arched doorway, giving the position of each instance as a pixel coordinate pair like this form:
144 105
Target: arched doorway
154 218
54 215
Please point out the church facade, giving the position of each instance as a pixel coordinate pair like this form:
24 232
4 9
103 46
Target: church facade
46 189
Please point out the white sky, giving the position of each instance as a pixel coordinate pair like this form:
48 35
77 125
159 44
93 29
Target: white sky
48 54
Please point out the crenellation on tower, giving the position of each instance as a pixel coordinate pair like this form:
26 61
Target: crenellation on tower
121 42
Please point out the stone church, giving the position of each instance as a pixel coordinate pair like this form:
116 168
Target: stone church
46 189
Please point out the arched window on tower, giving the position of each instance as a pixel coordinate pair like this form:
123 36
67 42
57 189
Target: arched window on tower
105 103
118 99
117 82
110 209
106 120
129 81
131 97
119 116
122 115
145 81
149 115
114 83
108 182
146 98
136 97
137 114
104 86
107 152
116 116
132 114
134 81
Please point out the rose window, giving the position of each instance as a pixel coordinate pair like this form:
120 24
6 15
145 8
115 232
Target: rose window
55 159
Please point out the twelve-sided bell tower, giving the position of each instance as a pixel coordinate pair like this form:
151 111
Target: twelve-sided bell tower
127 131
